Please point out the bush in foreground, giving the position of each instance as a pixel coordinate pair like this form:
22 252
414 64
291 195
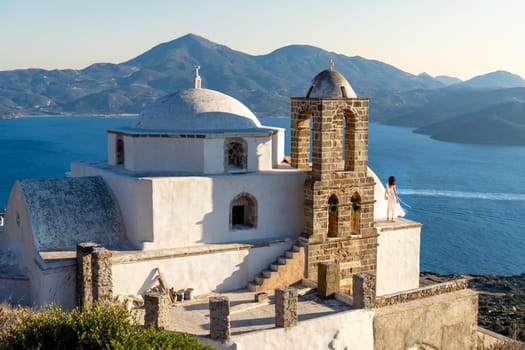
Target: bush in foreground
10 316
96 328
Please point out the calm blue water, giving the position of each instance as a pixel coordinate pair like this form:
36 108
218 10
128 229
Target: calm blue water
470 198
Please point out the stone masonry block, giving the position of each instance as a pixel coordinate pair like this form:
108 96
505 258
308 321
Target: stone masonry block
219 317
328 279
84 287
286 300
102 275
364 290
157 306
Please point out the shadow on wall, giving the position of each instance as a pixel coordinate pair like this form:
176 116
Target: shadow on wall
239 276
149 282
216 225
216 229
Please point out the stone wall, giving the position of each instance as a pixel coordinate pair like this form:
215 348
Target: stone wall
445 322
354 255
424 292
327 145
331 175
338 193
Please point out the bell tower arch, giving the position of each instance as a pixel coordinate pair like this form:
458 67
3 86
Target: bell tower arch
338 193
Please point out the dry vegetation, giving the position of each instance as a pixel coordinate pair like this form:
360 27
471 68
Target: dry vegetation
10 315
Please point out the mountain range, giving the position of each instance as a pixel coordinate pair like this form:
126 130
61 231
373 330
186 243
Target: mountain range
434 105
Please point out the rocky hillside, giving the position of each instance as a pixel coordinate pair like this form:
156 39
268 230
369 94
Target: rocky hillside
265 83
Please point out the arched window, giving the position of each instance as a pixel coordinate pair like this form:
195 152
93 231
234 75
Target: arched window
119 151
235 154
355 226
302 139
333 216
243 212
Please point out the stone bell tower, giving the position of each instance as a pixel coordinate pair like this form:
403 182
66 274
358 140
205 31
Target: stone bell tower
329 132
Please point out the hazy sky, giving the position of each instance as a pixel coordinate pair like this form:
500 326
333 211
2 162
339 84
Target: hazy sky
461 38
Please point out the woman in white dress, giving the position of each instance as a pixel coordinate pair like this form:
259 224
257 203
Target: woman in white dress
392 198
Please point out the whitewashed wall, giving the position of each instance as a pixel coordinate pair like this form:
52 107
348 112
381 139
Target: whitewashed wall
347 330
57 287
212 272
259 153
379 196
166 212
16 251
192 155
164 154
214 156
112 148
398 260
278 143
193 210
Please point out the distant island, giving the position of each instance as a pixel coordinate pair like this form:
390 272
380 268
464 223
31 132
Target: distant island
488 109
503 124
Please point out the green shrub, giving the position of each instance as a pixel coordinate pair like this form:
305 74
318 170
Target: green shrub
95 328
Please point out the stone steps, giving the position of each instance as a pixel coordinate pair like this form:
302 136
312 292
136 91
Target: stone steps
266 273
286 270
274 267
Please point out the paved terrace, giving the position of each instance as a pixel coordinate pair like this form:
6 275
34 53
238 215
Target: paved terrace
246 315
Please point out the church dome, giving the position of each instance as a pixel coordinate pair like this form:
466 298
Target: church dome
330 84
197 110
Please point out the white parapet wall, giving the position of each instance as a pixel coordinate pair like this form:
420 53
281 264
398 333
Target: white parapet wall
397 256
345 330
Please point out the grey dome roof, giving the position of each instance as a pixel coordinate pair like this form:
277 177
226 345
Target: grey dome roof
330 84
197 110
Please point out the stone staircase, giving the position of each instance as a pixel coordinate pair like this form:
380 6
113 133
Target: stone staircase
286 270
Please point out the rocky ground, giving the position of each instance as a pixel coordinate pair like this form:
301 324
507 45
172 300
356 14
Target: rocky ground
501 300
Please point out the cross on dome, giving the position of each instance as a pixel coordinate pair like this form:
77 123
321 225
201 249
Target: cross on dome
197 77
331 64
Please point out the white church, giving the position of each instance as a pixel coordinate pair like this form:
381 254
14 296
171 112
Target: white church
198 188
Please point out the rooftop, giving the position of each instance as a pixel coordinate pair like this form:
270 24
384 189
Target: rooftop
330 84
195 110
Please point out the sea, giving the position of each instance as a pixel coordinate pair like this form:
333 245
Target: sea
470 198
